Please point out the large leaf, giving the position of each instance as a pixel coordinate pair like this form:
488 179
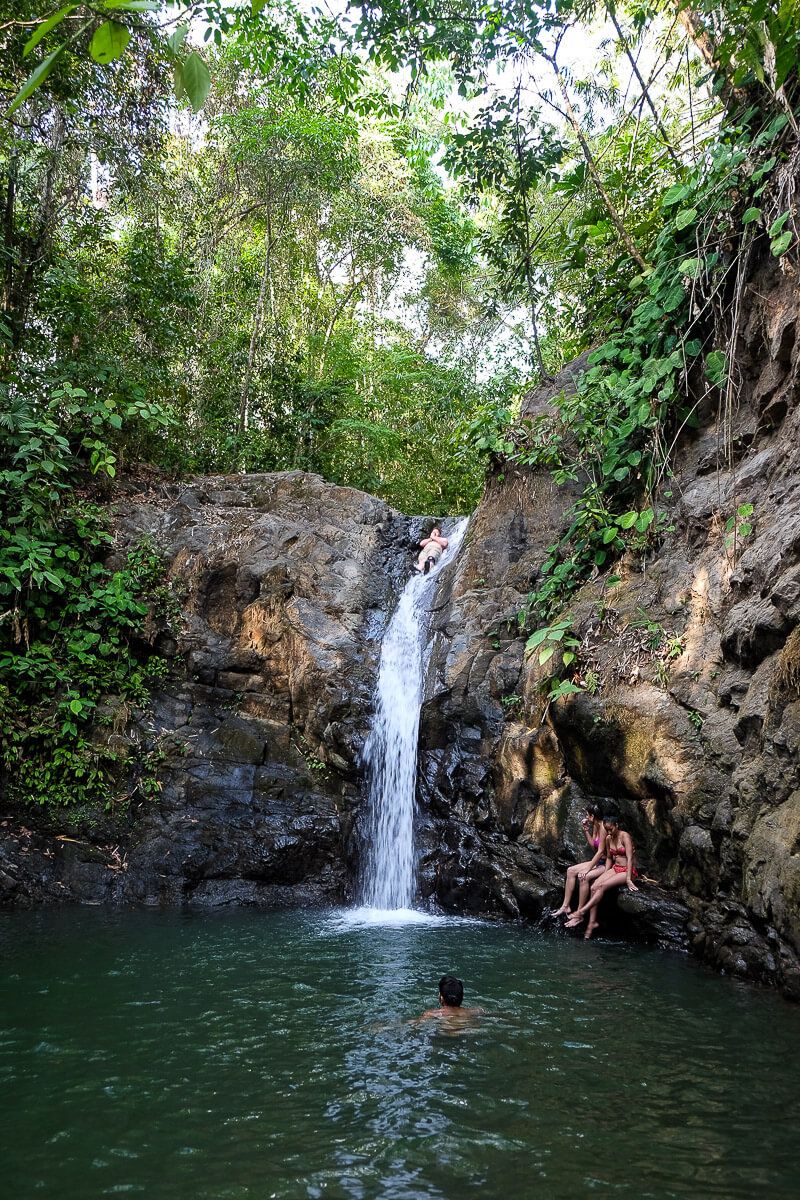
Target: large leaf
109 41
675 194
178 38
778 224
195 80
43 29
715 367
685 217
782 243
36 78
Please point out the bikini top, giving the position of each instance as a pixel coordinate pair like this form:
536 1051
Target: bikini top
620 853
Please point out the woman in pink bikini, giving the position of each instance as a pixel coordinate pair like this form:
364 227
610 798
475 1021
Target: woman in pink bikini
585 872
619 854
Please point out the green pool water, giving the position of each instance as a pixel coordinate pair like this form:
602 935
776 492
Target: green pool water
250 1055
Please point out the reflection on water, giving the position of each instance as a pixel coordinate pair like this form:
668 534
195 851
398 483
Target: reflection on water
250 1056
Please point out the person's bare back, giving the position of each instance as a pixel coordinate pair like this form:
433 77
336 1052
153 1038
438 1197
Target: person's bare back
450 1011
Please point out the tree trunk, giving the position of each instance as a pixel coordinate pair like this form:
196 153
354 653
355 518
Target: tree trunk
645 89
591 164
258 316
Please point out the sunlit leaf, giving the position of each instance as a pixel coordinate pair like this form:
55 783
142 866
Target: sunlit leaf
109 42
35 79
43 29
196 80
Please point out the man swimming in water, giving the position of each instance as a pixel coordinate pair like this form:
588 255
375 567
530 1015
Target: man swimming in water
451 998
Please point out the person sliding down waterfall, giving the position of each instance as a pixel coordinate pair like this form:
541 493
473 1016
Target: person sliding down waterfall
433 547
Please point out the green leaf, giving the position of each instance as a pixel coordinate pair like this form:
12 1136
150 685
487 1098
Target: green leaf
132 5
109 41
778 224
609 534
545 654
715 367
196 80
178 38
536 639
43 29
744 530
675 194
690 267
36 78
782 244
745 510
752 214
685 217
567 657
76 707
627 519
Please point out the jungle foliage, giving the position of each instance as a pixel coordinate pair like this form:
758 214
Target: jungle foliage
248 237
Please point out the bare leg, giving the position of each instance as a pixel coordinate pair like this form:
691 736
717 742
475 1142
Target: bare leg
609 879
569 886
585 885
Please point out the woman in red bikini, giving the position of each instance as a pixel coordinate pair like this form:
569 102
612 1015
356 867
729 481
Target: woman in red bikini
619 853
584 872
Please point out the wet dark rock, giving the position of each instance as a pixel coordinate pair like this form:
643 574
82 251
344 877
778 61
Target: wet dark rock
688 720
697 749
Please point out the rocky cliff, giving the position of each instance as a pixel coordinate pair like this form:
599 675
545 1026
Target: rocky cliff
244 777
689 713
688 717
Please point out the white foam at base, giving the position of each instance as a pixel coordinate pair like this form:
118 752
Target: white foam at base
391 918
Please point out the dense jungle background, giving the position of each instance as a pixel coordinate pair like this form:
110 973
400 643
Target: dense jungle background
363 243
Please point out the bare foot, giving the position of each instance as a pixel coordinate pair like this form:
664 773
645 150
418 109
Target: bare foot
574 921
589 931
559 911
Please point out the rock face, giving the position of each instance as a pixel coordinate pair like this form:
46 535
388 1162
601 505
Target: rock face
690 710
285 585
688 717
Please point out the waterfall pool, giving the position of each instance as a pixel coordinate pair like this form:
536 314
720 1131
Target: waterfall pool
251 1055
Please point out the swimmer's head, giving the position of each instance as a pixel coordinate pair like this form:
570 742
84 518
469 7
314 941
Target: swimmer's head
451 991
611 820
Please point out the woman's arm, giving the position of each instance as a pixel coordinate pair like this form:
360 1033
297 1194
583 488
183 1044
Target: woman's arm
426 541
598 854
588 828
628 844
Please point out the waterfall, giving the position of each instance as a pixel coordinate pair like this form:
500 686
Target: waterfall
390 752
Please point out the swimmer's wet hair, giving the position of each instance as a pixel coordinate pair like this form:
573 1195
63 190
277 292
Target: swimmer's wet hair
594 809
451 990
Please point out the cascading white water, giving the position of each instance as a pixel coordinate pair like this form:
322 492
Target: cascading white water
390 752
